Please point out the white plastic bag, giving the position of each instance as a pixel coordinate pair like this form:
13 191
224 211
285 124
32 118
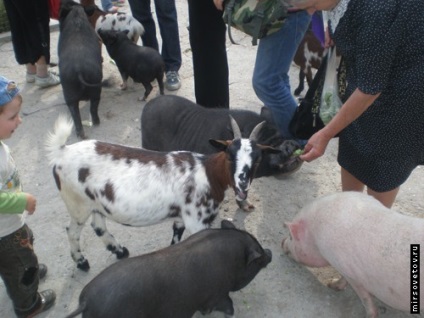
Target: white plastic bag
330 100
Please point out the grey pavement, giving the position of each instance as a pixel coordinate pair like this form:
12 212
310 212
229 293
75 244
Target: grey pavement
283 289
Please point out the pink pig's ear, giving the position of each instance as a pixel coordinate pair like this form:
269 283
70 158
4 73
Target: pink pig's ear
296 230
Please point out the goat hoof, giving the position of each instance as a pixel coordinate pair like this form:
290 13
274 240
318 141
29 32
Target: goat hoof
81 135
83 265
123 254
245 205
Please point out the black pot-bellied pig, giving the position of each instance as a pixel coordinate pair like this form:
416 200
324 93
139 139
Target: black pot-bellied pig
80 62
143 64
139 187
367 243
194 275
172 122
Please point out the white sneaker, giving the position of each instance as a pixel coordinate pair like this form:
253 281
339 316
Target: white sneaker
52 79
30 78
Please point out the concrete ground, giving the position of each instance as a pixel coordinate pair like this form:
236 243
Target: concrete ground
283 289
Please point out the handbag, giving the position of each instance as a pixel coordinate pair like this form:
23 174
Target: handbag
54 6
257 18
306 120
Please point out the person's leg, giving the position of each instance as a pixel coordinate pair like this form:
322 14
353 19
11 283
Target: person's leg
31 40
350 183
168 25
29 24
210 65
270 80
141 10
387 198
166 13
20 272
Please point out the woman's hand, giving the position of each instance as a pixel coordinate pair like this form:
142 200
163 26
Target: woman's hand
354 107
316 146
218 4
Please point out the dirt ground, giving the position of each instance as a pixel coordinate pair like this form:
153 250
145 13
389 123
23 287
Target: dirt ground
283 289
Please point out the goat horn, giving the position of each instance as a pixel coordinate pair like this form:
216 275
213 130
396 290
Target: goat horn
254 134
235 127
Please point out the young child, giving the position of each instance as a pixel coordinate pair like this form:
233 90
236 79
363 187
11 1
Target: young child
19 266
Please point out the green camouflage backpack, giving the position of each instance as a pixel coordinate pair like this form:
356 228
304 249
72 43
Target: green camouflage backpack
257 18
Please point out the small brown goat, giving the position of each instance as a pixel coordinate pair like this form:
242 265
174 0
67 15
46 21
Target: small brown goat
308 55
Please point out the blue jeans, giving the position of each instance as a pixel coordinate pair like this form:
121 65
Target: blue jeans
166 13
106 5
270 75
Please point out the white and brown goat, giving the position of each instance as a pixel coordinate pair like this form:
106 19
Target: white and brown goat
138 187
309 55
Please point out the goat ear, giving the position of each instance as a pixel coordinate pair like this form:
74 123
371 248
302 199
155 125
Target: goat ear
225 224
268 149
221 145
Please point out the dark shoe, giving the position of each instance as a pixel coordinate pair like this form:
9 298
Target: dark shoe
48 298
173 81
42 271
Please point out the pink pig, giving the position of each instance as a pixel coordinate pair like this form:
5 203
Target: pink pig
367 243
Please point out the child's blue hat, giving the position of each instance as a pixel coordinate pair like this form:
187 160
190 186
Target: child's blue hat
8 90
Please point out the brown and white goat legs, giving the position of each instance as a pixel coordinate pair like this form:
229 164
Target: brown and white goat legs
98 224
74 232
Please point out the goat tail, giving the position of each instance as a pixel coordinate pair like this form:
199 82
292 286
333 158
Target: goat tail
78 311
56 140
